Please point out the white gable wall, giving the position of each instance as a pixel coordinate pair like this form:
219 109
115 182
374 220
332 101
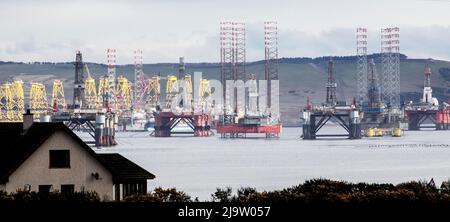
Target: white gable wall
35 170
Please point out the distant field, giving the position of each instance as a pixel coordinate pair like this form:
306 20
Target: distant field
299 78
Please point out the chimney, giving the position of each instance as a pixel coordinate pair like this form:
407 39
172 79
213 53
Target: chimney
27 120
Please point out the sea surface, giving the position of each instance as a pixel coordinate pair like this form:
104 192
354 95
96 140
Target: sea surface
200 165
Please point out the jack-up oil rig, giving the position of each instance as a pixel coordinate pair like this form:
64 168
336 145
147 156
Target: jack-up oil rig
248 107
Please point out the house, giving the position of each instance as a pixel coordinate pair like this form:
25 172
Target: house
45 157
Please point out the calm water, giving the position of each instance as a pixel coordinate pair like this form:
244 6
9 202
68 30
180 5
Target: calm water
199 165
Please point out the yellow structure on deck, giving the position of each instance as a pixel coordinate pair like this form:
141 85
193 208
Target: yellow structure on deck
90 93
171 90
153 92
18 100
6 103
103 90
204 95
58 99
38 99
123 94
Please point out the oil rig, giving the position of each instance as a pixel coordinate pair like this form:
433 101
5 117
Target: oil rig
427 113
83 114
249 106
346 116
181 109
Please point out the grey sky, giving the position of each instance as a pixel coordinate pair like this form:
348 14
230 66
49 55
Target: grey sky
51 30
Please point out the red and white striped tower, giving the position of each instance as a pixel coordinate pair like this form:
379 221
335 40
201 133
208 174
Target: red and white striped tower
139 80
111 61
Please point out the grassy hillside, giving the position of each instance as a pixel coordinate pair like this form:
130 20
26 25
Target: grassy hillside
299 78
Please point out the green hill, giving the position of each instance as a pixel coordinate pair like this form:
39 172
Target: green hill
299 77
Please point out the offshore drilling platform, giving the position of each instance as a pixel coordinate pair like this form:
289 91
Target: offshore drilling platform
428 109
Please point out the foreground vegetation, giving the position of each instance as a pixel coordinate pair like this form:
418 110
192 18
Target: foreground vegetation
317 191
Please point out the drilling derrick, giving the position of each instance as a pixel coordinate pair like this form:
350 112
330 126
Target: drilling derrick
181 69
111 76
361 64
331 86
140 84
427 91
78 91
58 99
171 90
6 103
18 100
185 87
38 99
153 93
187 93
90 93
372 107
373 94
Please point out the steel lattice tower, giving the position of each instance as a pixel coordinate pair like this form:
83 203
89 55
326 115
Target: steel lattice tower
390 79
232 58
139 80
111 61
239 63
361 64
226 56
271 64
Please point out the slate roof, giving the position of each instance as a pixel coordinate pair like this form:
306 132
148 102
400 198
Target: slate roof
17 145
123 169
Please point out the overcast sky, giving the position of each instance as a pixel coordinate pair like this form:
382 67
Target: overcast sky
52 30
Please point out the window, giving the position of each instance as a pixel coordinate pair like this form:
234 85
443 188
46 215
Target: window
67 188
59 158
45 188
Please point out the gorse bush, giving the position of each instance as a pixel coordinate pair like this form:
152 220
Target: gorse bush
316 191
160 195
30 197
